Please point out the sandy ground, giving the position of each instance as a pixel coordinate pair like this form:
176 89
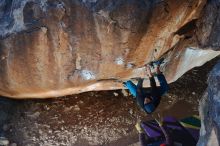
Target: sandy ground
104 118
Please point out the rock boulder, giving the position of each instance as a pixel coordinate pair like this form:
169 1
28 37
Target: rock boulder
51 48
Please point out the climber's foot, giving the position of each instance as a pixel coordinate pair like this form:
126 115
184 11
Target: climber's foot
151 64
158 62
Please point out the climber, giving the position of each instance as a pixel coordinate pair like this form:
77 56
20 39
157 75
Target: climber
148 100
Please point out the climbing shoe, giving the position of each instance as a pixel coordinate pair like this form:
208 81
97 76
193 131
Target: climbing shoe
159 62
153 64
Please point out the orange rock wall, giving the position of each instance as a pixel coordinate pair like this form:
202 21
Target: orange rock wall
52 48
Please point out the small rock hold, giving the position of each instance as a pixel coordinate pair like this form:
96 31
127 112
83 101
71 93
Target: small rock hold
62 128
35 115
3 58
116 94
124 92
130 66
81 102
46 107
34 138
67 109
101 111
124 131
76 108
193 93
131 111
4 141
44 30
40 132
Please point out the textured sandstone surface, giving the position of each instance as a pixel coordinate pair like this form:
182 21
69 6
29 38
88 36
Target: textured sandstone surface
51 48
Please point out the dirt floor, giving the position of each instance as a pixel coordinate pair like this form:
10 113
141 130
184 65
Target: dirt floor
104 118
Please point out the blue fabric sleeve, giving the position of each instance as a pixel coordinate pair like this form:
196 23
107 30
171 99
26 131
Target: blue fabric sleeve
132 88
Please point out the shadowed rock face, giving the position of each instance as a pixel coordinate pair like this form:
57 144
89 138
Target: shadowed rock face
51 48
209 110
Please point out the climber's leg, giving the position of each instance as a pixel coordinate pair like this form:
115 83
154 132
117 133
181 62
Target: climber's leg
164 87
140 93
131 87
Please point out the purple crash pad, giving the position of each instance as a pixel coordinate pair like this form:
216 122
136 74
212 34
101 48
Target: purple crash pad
194 133
172 123
178 133
151 128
